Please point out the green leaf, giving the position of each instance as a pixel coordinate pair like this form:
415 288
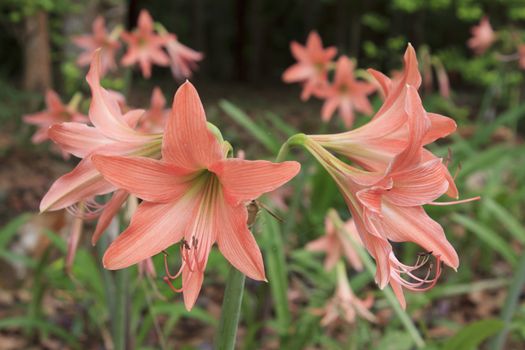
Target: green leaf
9 230
487 235
506 219
471 336
245 121
277 269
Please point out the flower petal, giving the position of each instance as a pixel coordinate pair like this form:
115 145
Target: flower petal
441 126
146 178
82 182
77 138
412 224
187 141
110 210
153 228
244 180
237 243
192 284
104 111
419 185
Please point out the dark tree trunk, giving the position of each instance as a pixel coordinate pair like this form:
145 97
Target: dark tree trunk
37 53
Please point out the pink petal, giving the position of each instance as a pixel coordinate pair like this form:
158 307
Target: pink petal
104 111
398 291
146 178
77 138
297 73
383 80
111 209
419 185
53 101
244 180
441 126
192 283
82 182
153 228
237 243
412 224
187 141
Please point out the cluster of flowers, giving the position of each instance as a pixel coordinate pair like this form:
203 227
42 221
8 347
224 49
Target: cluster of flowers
150 43
393 178
194 194
484 36
345 93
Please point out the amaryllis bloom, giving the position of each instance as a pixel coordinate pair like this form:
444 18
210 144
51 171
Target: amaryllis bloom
144 46
156 116
183 60
55 112
483 36
345 305
194 195
313 62
112 133
335 243
346 94
374 145
108 45
397 177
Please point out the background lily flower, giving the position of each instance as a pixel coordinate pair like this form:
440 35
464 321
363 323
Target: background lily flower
183 60
483 36
312 65
144 46
155 117
344 306
99 39
193 177
111 133
335 244
346 94
55 112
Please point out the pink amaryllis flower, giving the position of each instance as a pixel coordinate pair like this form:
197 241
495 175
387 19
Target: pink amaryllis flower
156 116
55 112
194 195
397 177
335 244
374 145
183 60
144 46
483 36
346 94
345 305
313 62
112 133
108 45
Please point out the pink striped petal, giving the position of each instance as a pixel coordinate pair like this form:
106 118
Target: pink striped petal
441 126
412 224
419 185
237 243
146 178
110 210
104 111
244 180
77 138
82 182
192 284
153 228
187 141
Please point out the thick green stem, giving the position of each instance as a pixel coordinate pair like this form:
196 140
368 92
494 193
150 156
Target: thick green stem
121 335
295 140
387 292
231 311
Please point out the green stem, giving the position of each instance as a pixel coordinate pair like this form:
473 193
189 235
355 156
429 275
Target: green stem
231 311
511 304
387 292
120 336
295 140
